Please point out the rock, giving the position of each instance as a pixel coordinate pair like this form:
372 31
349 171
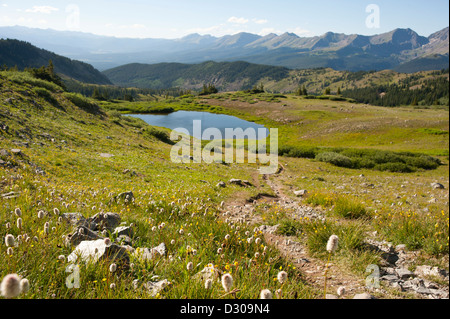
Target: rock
156 287
93 251
364 296
390 278
400 248
10 195
209 272
330 296
367 185
431 271
86 235
404 273
125 240
107 221
267 229
148 254
302 192
437 186
106 155
432 201
123 231
129 196
75 219
16 151
390 258
221 184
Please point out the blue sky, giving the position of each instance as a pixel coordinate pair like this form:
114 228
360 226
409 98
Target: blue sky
177 18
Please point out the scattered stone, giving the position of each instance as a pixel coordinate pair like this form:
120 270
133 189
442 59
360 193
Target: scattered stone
431 271
16 151
156 287
390 278
125 240
75 219
221 184
330 296
123 231
107 221
437 186
93 251
302 192
209 272
106 155
129 196
10 195
267 229
84 235
400 248
148 254
404 273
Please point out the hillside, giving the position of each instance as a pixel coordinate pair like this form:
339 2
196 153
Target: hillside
351 52
75 173
233 76
224 75
25 55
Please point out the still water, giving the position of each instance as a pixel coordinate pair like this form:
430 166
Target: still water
185 120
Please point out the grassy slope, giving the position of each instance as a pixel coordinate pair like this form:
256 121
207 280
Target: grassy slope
77 176
80 175
303 122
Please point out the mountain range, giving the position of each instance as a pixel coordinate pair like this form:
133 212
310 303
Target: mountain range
401 49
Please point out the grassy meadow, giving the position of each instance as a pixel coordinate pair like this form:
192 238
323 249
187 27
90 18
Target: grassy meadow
77 154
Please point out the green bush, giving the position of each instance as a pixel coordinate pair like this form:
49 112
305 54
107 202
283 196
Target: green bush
45 94
349 208
82 102
335 159
394 168
298 152
159 135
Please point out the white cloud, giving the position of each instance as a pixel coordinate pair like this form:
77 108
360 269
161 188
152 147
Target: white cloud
260 21
4 5
42 9
238 20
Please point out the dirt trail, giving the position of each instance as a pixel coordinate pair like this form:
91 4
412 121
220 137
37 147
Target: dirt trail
292 248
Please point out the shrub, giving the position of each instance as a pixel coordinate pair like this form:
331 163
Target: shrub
82 102
320 199
45 94
159 135
289 227
349 208
394 168
335 159
298 152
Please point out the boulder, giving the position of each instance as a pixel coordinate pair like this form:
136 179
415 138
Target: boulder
156 287
302 192
437 186
431 271
86 234
129 196
108 221
145 254
221 184
404 273
123 231
93 251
